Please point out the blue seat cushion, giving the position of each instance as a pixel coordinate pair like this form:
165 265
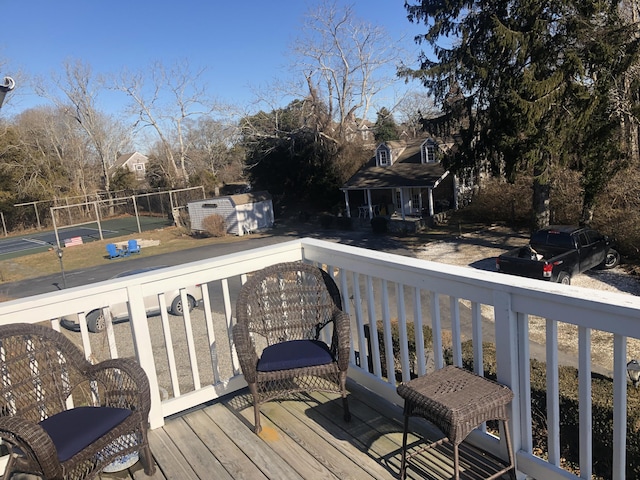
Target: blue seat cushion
294 354
77 428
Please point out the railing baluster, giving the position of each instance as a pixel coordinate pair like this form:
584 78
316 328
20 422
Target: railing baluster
402 324
619 406
168 342
421 358
436 329
553 394
357 306
476 335
388 337
456 336
584 399
373 328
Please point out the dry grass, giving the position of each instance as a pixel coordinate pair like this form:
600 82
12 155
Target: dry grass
601 342
94 253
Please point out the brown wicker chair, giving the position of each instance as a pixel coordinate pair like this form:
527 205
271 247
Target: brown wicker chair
41 370
286 306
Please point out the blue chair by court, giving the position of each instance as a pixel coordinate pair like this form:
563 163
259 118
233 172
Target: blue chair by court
132 246
115 252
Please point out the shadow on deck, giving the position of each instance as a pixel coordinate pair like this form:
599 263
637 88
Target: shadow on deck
305 438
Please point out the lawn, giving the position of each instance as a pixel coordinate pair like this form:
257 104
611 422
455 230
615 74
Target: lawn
91 254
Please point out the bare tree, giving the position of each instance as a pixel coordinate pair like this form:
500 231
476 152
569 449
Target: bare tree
213 143
346 62
107 136
173 95
54 154
413 107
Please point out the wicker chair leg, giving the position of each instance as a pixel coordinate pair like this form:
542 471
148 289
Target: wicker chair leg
146 458
345 406
8 471
405 434
253 388
512 460
456 462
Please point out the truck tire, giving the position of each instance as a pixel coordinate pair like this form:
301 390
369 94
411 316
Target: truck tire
176 305
612 259
95 321
564 278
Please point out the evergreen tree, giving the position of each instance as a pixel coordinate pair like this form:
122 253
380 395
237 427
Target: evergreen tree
288 155
533 75
385 128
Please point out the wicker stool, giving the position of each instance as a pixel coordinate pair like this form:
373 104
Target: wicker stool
456 401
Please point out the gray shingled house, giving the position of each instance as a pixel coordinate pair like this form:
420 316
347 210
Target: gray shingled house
404 179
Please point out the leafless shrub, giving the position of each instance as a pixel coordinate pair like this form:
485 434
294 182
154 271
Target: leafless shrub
214 226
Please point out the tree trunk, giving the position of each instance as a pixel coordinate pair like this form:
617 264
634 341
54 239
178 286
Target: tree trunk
541 195
541 212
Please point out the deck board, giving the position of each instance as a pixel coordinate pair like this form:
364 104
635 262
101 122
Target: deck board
303 438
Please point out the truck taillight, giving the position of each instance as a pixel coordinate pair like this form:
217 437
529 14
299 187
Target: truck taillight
497 264
546 270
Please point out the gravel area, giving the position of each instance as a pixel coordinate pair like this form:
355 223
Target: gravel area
480 249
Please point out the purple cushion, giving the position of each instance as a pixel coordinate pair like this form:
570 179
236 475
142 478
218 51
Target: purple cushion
294 354
75 429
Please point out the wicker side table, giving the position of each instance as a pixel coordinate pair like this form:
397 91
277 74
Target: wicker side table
456 401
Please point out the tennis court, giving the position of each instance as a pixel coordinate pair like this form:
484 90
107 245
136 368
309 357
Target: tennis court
42 241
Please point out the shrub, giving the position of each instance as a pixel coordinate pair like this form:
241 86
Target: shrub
214 226
379 225
344 223
326 220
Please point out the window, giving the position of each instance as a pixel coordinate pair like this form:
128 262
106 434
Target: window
383 157
140 166
429 152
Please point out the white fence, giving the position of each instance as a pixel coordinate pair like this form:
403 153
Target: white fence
190 359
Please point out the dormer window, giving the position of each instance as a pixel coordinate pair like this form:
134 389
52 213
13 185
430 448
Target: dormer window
428 151
382 156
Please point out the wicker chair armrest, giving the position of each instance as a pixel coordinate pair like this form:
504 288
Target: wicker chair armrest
125 382
246 351
341 339
34 442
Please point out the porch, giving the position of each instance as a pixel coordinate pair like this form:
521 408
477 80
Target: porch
196 381
302 438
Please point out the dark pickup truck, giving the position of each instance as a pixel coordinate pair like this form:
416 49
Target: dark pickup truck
557 253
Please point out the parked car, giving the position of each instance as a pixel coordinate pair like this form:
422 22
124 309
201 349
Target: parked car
559 252
120 311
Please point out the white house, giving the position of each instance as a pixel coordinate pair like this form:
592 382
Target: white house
243 213
135 162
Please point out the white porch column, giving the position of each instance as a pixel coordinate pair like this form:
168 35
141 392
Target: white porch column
430 193
456 192
346 203
369 203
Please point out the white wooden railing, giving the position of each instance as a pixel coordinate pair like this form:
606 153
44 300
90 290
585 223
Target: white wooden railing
190 360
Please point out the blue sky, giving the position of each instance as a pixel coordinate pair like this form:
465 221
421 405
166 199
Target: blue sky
241 43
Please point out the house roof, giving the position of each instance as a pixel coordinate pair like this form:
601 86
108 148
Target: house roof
407 170
251 197
123 159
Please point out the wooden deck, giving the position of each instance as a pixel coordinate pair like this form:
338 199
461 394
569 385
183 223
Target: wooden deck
304 438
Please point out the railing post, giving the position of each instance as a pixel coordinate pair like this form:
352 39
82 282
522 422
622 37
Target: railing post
509 362
144 351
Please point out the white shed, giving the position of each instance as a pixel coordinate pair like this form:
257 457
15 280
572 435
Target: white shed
243 213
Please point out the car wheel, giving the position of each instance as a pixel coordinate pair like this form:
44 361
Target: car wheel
95 321
176 305
611 260
564 278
